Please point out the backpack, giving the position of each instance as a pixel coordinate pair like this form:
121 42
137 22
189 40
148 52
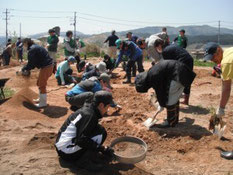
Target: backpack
141 83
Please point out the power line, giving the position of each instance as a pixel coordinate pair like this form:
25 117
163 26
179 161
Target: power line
41 16
7 12
40 11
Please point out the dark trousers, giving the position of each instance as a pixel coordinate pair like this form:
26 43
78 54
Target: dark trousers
84 154
67 77
187 90
130 65
80 99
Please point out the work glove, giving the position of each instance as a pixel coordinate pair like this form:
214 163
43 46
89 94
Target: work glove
107 151
63 83
220 112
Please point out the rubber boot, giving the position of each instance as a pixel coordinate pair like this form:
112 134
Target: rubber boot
134 70
186 99
172 117
43 101
128 81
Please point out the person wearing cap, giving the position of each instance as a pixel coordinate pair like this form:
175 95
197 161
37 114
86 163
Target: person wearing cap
168 78
181 39
131 37
38 57
96 70
175 52
85 90
52 41
215 53
69 44
64 72
133 52
81 137
153 53
112 51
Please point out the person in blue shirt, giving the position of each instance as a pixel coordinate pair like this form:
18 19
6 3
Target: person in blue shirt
134 53
85 90
64 72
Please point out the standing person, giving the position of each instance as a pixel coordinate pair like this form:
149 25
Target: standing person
175 52
134 53
52 41
81 137
19 49
168 78
69 44
112 50
38 57
152 52
7 54
215 53
182 40
133 38
164 36
64 72
81 47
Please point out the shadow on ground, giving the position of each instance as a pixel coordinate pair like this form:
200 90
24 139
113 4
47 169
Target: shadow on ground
183 129
195 109
50 111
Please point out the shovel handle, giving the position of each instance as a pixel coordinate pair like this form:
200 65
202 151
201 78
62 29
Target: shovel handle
154 117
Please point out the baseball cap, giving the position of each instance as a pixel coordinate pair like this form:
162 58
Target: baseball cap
118 43
103 97
71 59
106 78
210 49
101 66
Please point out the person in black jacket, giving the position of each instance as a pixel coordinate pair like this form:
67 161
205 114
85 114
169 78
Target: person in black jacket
38 57
112 50
175 52
81 136
168 78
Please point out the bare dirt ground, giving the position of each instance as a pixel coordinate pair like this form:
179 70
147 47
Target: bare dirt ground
27 135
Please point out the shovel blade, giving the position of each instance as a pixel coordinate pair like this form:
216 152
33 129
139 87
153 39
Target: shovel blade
149 122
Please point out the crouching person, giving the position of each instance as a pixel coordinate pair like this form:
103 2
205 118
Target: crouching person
168 78
81 137
64 72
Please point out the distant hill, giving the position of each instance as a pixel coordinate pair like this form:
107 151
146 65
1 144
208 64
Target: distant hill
38 35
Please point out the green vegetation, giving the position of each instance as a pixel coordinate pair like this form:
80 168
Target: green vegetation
8 92
201 63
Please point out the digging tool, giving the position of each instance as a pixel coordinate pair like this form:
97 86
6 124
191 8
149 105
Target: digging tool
217 125
151 121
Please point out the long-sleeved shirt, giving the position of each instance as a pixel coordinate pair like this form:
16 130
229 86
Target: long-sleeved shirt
37 57
52 41
132 51
111 40
85 86
61 69
77 130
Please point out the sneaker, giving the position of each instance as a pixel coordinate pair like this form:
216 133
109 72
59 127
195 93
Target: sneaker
227 155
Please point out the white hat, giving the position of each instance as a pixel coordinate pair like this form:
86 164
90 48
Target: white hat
101 66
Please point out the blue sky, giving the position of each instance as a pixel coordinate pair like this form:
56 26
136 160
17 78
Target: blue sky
97 16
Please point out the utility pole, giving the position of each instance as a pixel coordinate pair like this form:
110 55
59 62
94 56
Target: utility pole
6 24
20 30
219 32
74 25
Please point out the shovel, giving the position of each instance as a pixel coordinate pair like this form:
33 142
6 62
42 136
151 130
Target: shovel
151 121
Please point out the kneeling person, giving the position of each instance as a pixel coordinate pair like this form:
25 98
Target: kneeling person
81 136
